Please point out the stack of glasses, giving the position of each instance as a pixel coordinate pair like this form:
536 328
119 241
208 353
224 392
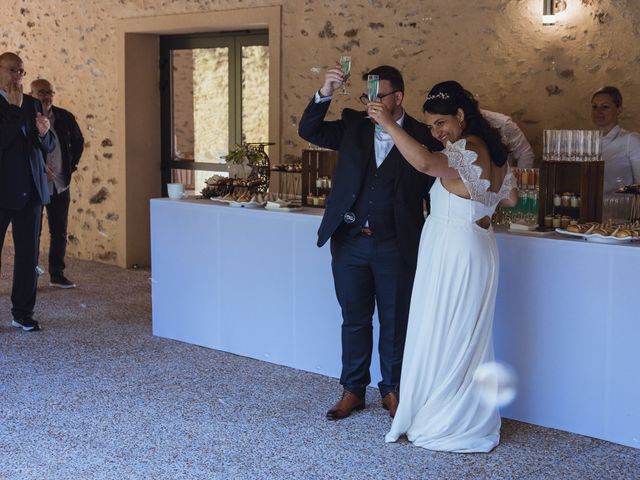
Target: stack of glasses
571 145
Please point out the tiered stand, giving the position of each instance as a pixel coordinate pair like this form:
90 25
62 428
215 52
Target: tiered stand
316 163
583 178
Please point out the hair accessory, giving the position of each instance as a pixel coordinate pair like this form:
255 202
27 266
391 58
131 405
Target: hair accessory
441 96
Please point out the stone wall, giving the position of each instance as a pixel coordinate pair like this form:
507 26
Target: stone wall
541 75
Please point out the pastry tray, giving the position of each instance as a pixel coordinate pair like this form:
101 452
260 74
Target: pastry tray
596 237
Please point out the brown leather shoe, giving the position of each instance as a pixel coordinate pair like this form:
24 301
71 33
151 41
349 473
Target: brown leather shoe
347 404
390 402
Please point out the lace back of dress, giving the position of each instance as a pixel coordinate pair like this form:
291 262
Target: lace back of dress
463 161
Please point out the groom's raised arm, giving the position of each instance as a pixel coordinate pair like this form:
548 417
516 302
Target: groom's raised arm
313 126
315 129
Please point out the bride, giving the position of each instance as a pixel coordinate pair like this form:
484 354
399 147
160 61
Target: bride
454 292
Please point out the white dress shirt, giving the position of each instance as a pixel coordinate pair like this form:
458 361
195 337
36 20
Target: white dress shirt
621 155
383 143
520 151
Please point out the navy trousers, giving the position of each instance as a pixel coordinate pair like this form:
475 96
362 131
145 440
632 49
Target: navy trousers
25 224
367 273
57 217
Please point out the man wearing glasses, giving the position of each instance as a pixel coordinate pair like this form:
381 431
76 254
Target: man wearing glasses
374 216
24 141
60 164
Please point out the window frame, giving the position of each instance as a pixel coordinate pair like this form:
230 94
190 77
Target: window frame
234 41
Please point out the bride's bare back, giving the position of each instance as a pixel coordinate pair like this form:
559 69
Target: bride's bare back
490 171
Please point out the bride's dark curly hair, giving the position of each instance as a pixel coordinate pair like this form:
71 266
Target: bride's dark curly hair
447 97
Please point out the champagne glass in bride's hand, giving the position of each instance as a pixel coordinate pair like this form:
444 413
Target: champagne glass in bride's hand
345 65
373 82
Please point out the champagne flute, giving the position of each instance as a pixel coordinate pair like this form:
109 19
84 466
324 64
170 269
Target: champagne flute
546 145
373 82
345 64
372 87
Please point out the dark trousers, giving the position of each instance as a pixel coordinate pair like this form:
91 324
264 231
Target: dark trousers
25 224
368 272
57 217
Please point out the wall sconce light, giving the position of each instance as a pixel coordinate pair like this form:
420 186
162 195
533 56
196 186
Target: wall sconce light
551 9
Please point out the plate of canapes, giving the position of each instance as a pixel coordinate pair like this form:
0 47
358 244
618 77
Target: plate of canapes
604 233
256 200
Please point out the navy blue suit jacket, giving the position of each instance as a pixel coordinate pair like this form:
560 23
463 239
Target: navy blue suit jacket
352 136
17 180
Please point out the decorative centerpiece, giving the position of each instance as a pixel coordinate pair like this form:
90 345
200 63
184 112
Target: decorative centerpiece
248 179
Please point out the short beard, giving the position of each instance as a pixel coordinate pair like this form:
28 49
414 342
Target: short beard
397 111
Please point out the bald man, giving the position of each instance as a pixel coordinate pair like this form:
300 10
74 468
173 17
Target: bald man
60 164
25 140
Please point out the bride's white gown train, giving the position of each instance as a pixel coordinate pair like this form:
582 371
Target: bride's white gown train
450 322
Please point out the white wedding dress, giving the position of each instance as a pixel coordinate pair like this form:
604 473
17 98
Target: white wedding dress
451 316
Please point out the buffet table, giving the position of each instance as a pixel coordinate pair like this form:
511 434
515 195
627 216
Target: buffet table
252 282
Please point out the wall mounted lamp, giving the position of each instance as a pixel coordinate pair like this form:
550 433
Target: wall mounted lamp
551 9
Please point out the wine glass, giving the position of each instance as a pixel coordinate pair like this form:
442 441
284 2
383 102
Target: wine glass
345 64
520 210
597 145
565 152
557 145
546 145
532 213
373 81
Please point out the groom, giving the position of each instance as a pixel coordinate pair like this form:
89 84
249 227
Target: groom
374 216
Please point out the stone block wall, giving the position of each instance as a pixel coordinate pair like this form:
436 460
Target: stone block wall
499 49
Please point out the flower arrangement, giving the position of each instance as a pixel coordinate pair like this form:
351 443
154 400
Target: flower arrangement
243 154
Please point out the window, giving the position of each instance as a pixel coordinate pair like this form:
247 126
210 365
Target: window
214 95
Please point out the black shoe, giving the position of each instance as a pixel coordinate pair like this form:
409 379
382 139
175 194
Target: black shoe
60 281
26 324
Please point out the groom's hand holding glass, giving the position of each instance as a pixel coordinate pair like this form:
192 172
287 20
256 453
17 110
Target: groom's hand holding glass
383 100
379 112
333 80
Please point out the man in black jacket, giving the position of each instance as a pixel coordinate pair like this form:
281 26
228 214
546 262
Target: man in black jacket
374 216
25 139
61 163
